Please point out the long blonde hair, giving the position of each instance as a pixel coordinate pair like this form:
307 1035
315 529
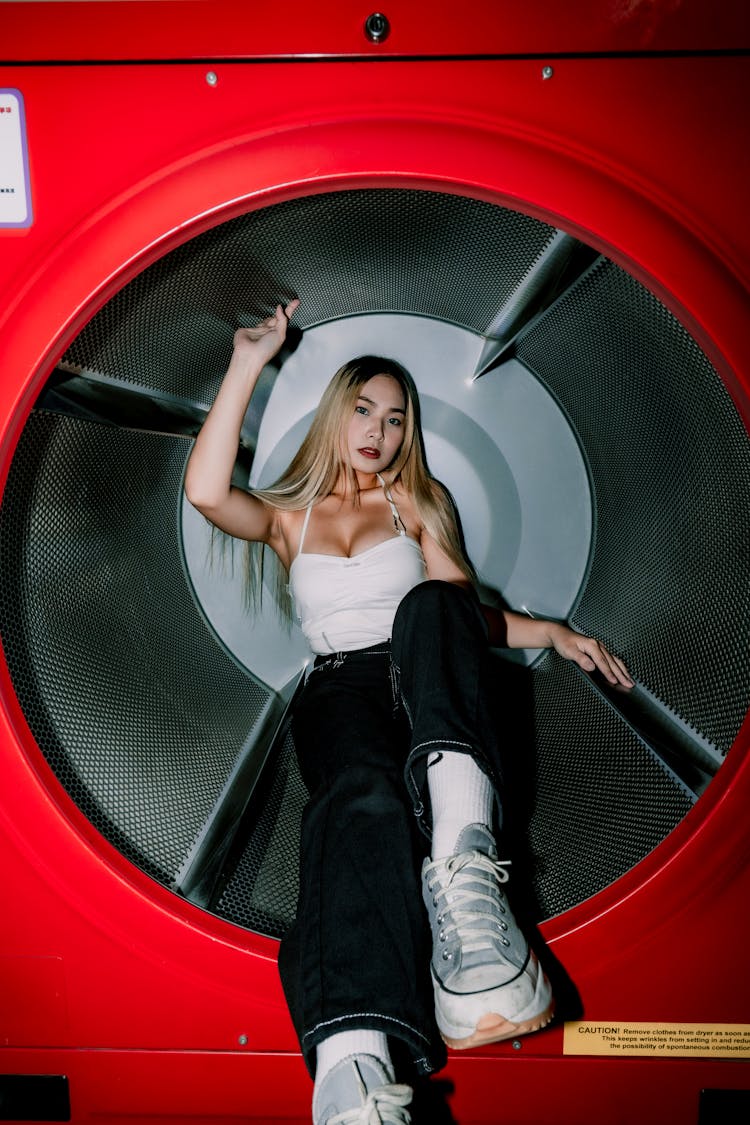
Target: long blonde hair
320 461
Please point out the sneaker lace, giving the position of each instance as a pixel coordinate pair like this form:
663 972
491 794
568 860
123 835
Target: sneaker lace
464 910
384 1106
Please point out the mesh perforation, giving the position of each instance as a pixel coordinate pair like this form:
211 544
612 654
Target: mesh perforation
669 585
602 801
142 716
136 708
261 892
343 253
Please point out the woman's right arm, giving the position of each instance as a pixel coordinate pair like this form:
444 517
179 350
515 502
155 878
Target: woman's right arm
208 480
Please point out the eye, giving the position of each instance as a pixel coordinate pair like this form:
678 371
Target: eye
395 422
361 410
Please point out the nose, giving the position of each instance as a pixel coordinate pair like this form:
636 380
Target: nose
375 429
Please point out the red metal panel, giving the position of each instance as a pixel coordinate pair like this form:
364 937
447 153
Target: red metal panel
235 29
123 157
217 1088
642 157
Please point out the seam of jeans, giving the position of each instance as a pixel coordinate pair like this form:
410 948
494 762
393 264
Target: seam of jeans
440 742
364 1015
395 676
404 704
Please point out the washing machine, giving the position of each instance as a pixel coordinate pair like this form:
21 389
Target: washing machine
541 212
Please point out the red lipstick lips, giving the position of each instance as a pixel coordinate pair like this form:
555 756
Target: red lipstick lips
372 453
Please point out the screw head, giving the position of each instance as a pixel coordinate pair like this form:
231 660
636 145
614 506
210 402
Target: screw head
547 72
212 78
377 27
517 1044
242 1040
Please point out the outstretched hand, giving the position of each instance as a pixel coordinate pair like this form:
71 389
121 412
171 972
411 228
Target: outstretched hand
590 655
261 343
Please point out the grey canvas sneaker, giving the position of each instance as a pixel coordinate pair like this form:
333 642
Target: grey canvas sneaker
357 1091
488 983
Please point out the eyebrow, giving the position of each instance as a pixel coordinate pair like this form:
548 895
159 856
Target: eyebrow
371 402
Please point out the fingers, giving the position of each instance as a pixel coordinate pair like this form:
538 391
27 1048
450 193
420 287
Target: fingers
279 321
623 672
611 667
283 314
262 342
278 318
618 673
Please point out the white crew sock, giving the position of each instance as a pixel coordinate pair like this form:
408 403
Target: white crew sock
344 1044
460 794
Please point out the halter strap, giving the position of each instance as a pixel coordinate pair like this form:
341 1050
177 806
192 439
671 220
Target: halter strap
305 522
397 521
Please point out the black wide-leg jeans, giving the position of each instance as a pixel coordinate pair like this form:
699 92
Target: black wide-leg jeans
358 953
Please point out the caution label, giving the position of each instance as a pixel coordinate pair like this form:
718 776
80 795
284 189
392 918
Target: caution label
675 1040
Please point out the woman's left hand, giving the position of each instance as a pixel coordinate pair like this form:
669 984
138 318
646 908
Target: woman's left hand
589 654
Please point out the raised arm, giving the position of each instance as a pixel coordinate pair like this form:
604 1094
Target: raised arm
208 480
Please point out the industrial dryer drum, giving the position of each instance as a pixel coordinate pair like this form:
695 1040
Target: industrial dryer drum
600 467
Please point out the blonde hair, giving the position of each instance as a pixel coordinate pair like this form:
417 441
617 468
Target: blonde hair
321 460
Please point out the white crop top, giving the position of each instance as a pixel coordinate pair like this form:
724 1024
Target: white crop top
348 603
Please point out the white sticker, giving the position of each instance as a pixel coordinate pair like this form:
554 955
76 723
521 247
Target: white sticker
15 196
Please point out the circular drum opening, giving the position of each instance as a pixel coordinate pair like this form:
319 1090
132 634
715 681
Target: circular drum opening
599 464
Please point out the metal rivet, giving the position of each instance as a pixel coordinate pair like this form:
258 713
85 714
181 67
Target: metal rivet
377 27
517 1044
547 72
242 1040
212 78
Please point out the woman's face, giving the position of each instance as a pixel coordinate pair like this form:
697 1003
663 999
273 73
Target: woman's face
376 428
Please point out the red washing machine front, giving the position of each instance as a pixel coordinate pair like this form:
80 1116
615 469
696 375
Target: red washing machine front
131 130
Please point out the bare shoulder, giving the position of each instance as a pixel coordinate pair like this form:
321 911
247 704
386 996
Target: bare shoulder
407 509
438 564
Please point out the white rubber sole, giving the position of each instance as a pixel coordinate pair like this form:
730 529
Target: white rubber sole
493 1028
475 1019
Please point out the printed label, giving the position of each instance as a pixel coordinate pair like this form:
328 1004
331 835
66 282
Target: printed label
683 1040
15 197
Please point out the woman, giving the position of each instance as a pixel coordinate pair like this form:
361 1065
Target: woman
392 731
